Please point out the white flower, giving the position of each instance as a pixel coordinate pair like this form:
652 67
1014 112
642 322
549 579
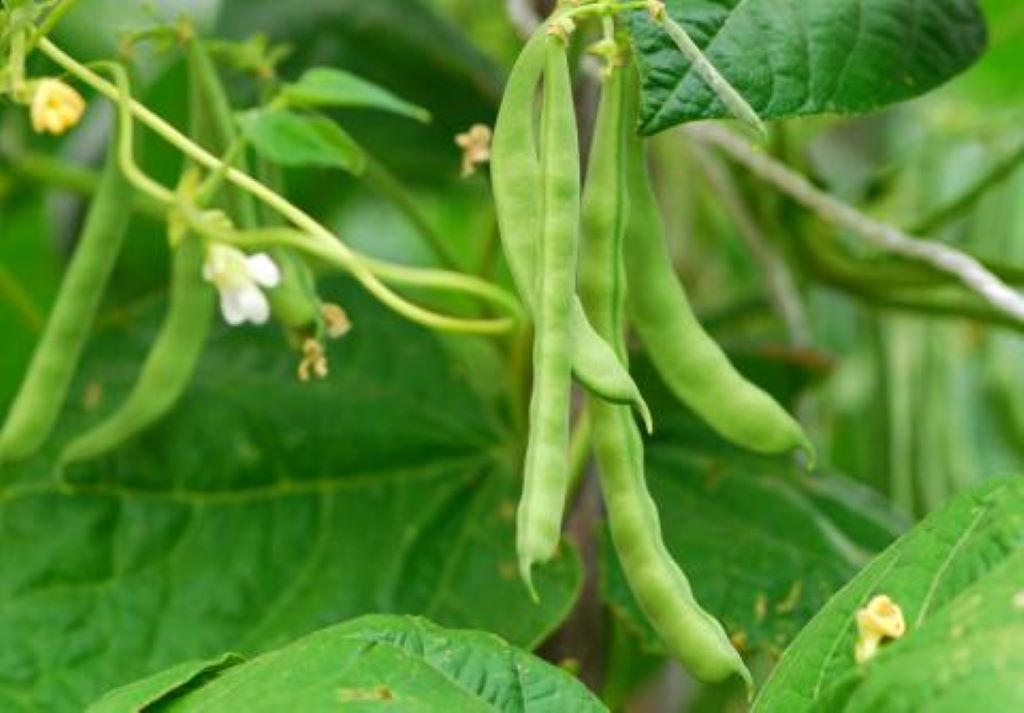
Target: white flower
239 279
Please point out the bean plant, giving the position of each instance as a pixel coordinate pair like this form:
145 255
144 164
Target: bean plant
533 356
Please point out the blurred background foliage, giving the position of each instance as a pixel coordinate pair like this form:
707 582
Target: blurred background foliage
916 403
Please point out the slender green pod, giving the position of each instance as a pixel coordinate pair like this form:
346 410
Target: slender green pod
44 389
546 469
170 362
661 589
692 364
516 177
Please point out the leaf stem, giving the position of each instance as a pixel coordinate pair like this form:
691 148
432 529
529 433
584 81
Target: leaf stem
707 71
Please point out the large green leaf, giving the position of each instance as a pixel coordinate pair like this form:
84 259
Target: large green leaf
392 662
957 578
799 58
159 687
263 509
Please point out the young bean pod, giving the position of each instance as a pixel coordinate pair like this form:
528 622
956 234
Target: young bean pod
546 469
692 364
661 589
516 177
44 389
170 362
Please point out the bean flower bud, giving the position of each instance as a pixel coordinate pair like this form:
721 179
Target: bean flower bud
881 619
56 107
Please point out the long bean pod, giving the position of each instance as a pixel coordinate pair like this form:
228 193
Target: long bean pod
169 364
691 363
661 589
546 469
42 394
516 176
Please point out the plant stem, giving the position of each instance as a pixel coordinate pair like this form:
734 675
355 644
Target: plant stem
707 71
885 237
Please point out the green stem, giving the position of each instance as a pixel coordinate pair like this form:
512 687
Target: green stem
707 71
55 16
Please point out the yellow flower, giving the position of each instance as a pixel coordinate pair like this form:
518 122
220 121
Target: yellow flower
881 619
56 107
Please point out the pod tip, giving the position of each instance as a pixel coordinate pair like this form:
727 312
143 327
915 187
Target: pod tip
526 573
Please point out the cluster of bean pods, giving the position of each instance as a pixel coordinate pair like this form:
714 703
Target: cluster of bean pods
175 351
609 245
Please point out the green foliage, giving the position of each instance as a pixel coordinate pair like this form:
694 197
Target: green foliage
796 59
327 87
957 579
377 661
262 509
288 138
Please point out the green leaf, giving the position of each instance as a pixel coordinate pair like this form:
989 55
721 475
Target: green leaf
803 58
327 87
957 578
761 556
399 44
399 663
161 686
262 509
291 139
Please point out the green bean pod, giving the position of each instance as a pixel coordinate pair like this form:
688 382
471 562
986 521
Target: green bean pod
690 634
546 469
691 363
44 389
516 177
170 361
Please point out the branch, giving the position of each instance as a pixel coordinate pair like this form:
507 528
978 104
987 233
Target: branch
881 235
781 287
523 15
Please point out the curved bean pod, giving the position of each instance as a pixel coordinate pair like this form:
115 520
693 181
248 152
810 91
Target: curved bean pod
661 589
692 364
516 178
170 362
546 468
44 389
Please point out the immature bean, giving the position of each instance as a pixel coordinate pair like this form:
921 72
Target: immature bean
661 589
170 361
516 177
546 469
692 364
44 389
